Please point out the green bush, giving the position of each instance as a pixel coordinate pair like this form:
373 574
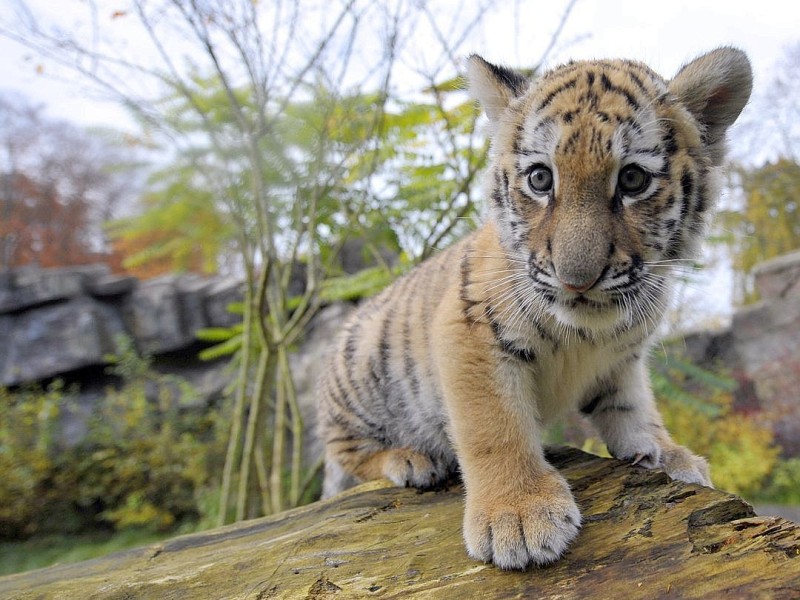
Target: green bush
30 466
45 550
145 462
783 484
697 406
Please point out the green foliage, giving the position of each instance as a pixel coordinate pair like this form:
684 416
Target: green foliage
697 409
363 284
391 172
148 457
180 229
30 469
433 169
677 382
146 461
783 484
769 223
227 341
43 551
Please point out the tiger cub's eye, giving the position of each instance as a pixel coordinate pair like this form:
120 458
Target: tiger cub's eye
633 179
540 179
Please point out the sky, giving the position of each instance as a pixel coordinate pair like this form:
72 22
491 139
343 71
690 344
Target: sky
665 35
662 34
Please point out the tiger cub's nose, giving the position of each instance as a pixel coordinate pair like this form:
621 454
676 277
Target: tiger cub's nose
579 287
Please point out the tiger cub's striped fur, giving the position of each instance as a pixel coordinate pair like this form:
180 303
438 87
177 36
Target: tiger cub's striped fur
600 178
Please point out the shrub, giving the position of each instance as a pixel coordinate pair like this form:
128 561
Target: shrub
783 485
30 475
145 462
697 406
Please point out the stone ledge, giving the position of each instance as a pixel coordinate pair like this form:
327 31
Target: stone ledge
644 536
29 287
779 277
54 322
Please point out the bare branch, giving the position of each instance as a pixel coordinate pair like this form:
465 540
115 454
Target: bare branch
556 34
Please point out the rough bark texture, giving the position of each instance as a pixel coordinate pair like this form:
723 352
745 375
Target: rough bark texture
644 536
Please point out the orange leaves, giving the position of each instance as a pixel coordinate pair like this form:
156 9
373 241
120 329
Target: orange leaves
42 227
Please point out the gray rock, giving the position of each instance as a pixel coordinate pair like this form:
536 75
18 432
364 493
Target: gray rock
355 256
219 297
779 277
766 333
163 314
306 364
76 415
192 292
208 379
111 285
50 340
710 347
54 321
297 280
767 342
6 329
27 287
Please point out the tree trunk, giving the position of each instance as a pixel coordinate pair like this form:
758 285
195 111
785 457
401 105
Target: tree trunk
644 536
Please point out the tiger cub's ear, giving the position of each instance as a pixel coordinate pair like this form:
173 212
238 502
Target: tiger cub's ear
715 88
493 86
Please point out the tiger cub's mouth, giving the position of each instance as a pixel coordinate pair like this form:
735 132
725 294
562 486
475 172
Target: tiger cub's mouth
583 301
593 310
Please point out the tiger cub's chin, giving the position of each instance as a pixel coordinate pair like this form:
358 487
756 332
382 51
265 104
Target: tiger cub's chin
595 318
600 179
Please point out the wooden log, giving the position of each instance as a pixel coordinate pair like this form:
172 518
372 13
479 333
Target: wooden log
644 536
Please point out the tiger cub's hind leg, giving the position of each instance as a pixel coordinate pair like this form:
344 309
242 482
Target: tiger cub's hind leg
366 459
336 479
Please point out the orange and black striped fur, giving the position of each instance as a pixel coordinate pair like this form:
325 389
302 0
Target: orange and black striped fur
601 176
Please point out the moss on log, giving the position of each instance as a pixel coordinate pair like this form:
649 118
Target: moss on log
644 536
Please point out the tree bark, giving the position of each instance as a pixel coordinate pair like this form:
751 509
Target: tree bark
644 536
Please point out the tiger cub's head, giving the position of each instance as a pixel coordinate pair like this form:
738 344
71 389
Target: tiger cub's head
601 175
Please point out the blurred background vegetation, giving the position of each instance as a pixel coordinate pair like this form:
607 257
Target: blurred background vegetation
277 134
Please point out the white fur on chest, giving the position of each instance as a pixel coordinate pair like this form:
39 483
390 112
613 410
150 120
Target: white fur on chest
557 382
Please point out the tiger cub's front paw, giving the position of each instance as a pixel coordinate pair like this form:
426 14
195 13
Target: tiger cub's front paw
409 468
682 465
678 462
516 529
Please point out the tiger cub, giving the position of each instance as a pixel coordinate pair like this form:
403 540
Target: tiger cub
601 175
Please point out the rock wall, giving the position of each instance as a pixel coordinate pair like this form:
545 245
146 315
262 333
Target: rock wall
63 322
761 347
57 321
